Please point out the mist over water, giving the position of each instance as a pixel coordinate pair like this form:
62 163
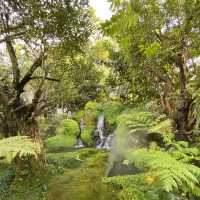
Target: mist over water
124 142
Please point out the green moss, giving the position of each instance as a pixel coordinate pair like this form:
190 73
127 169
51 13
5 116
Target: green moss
93 106
111 111
86 135
65 160
31 185
86 183
93 109
78 115
73 175
67 131
60 141
68 127
132 187
7 175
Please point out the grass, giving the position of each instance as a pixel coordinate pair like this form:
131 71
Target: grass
75 175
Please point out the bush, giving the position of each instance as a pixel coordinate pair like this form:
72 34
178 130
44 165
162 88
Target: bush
67 131
93 109
60 141
111 111
87 134
68 127
47 125
78 115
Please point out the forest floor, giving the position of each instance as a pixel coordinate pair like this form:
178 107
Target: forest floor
73 175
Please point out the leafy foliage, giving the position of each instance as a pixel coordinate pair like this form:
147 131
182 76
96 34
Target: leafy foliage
67 133
171 174
153 36
137 187
111 111
68 127
18 146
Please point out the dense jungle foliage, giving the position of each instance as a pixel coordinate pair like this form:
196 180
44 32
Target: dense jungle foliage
99 110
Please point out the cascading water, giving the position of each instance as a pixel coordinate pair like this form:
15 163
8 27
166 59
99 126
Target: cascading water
103 142
79 141
100 132
109 141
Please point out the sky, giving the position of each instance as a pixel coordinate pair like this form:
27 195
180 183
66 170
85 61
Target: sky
102 8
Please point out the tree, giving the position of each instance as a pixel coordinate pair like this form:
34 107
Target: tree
81 77
161 39
40 26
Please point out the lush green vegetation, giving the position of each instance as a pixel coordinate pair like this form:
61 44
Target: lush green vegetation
67 133
99 110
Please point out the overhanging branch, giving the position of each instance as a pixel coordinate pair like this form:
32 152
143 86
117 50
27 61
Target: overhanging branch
46 78
29 73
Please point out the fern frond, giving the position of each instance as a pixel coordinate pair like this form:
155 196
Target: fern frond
171 174
18 145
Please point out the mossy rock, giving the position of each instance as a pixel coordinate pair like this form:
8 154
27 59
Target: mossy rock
88 152
60 142
87 135
71 162
87 181
78 115
111 111
68 127
93 109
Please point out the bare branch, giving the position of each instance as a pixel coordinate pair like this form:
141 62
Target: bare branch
13 58
11 51
27 76
12 37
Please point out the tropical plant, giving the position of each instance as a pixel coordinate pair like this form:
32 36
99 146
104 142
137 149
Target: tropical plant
42 27
21 146
159 40
169 173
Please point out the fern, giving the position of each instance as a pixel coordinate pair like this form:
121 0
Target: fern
18 145
137 187
170 174
182 151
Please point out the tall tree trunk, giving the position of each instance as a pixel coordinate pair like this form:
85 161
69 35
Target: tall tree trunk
184 121
184 112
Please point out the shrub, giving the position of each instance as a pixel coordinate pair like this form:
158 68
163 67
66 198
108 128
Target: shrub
78 115
87 134
168 172
93 109
111 111
137 187
47 125
60 141
67 133
68 127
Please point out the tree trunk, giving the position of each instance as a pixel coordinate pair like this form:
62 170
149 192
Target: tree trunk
19 125
185 118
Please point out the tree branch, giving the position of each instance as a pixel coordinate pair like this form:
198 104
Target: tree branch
12 37
160 75
46 78
11 50
27 76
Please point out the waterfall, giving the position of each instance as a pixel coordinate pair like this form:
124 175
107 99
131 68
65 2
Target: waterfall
81 124
109 141
79 141
103 142
100 132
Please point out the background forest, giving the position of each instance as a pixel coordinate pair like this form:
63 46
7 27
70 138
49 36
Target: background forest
99 110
